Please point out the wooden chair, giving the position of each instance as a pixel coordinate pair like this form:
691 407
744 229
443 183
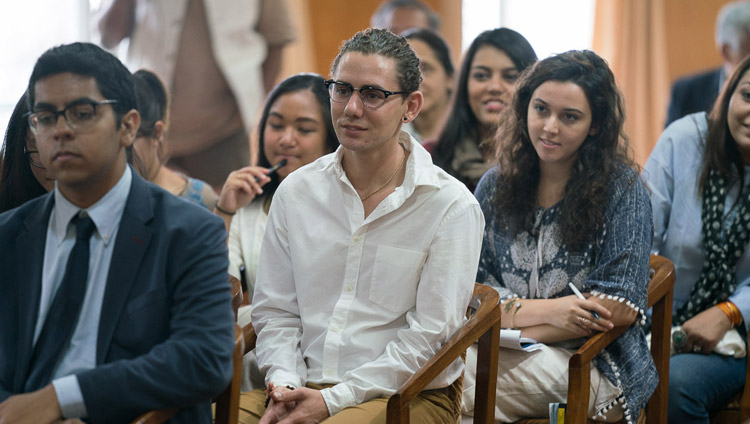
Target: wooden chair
484 325
236 290
579 374
228 402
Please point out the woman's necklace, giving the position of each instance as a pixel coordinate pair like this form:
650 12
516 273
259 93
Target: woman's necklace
389 179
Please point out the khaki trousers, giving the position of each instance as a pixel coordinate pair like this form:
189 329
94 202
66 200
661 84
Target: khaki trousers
429 407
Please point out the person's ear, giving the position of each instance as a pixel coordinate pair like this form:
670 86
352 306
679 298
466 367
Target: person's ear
594 130
413 105
159 129
129 125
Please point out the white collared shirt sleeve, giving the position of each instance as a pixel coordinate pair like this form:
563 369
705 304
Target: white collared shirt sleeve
69 397
275 314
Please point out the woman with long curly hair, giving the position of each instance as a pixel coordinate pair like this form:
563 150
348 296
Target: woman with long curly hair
700 193
564 207
488 72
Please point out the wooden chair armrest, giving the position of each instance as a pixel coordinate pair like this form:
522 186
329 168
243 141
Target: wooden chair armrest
485 319
660 295
662 281
228 402
579 373
156 417
236 290
745 397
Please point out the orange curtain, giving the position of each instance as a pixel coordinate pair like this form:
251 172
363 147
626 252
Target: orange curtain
631 36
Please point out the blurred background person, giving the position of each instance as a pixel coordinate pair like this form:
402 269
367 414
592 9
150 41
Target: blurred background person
216 57
697 93
489 70
24 176
400 15
153 106
437 82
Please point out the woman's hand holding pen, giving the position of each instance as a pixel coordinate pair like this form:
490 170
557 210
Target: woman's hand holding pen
576 315
241 188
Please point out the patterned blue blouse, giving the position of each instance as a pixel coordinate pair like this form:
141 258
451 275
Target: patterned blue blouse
198 192
615 262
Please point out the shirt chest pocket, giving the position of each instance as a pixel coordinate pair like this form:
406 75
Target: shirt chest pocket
395 276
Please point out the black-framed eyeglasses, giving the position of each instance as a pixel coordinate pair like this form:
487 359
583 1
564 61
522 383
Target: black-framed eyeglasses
79 115
372 97
34 158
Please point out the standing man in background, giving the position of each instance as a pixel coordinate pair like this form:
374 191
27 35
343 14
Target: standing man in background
216 58
400 15
697 93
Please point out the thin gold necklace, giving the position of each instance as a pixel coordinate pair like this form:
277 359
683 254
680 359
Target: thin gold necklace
389 179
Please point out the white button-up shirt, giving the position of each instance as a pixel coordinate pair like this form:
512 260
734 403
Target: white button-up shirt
359 302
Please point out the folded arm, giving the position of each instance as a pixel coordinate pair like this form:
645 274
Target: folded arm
117 22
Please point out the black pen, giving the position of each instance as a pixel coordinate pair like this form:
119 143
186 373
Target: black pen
273 169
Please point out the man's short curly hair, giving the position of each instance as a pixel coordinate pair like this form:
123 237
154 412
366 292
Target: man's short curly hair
385 43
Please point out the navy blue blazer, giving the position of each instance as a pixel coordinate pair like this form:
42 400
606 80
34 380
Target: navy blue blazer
694 93
166 331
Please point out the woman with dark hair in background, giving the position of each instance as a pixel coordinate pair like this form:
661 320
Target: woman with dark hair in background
153 106
488 72
699 178
295 126
437 82
24 176
564 207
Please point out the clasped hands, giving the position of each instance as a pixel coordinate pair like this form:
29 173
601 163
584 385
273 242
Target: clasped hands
298 406
576 315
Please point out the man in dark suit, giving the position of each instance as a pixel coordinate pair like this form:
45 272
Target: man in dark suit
114 296
694 93
697 93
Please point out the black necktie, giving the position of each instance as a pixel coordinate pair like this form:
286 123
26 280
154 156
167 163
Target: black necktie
63 314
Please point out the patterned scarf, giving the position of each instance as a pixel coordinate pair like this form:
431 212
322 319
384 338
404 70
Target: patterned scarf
717 280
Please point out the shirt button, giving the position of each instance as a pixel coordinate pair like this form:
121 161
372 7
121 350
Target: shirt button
357 239
349 287
329 371
335 329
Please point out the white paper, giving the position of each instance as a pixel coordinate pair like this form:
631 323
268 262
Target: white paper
512 339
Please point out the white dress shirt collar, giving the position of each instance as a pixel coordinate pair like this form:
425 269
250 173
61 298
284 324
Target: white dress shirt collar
105 213
419 169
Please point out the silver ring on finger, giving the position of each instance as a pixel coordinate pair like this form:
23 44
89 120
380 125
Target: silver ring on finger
582 322
697 349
